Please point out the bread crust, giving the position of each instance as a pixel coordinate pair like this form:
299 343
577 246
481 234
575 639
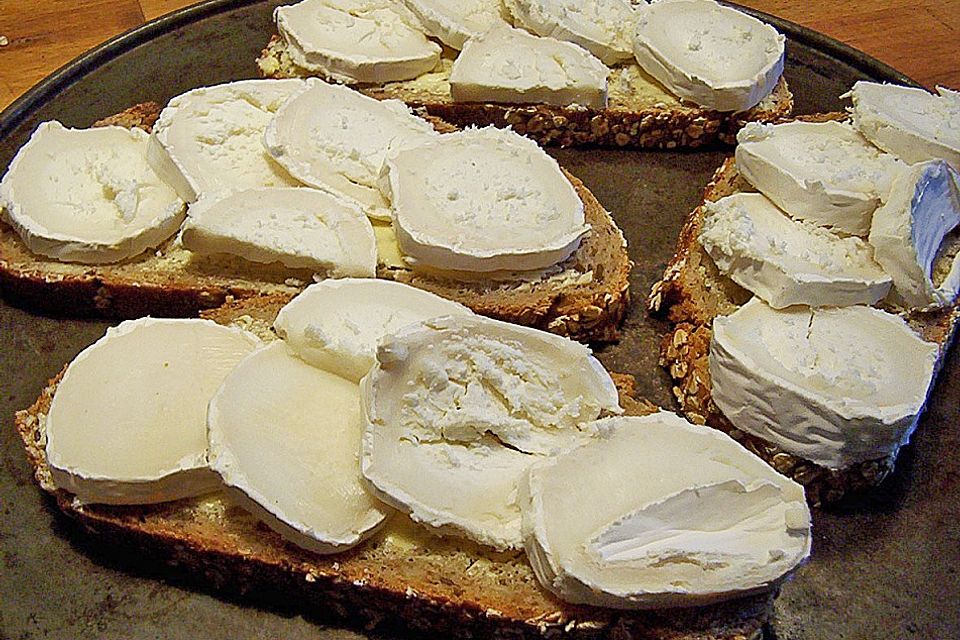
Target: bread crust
651 125
403 577
692 292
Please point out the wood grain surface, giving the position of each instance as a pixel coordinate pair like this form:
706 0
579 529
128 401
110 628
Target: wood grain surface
921 38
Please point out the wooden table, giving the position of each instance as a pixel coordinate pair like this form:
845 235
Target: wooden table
921 38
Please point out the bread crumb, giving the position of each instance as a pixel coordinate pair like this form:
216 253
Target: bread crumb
4 41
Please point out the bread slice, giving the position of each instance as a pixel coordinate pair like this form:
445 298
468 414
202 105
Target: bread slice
693 292
584 297
640 113
404 576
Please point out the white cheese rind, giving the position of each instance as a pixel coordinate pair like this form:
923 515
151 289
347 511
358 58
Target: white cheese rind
453 23
712 55
210 139
335 139
821 383
88 195
298 227
354 41
602 27
909 229
657 512
824 172
510 65
127 424
457 408
284 435
786 261
909 122
336 324
483 200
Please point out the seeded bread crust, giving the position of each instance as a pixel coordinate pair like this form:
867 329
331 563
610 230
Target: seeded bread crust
585 300
403 577
651 118
693 292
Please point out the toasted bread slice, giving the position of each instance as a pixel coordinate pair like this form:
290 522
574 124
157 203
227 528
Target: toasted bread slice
584 297
693 292
403 576
640 113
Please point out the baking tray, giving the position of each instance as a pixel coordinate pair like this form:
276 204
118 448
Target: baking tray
884 566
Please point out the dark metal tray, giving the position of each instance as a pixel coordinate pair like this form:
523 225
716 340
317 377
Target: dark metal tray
884 566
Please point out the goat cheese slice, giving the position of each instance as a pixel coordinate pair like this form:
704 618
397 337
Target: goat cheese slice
88 195
456 409
336 324
298 227
657 512
127 424
210 139
909 122
510 65
284 436
334 138
483 200
916 235
836 386
453 23
355 41
709 54
824 172
786 261
601 27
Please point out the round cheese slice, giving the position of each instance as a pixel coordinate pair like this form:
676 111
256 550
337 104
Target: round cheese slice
334 138
127 424
909 122
88 195
658 512
210 139
786 261
336 324
453 23
823 172
602 27
354 41
916 235
709 54
458 407
836 386
483 200
284 436
298 227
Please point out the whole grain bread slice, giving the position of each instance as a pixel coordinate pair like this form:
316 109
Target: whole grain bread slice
584 297
402 577
640 113
693 292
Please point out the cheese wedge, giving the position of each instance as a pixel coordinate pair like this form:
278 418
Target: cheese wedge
453 23
786 261
657 512
916 235
335 139
824 172
836 386
336 324
298 227
712 55
127 424
88 195
353 41
602 27
510 65
210 139
483 200
458 407
284 436
908 122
